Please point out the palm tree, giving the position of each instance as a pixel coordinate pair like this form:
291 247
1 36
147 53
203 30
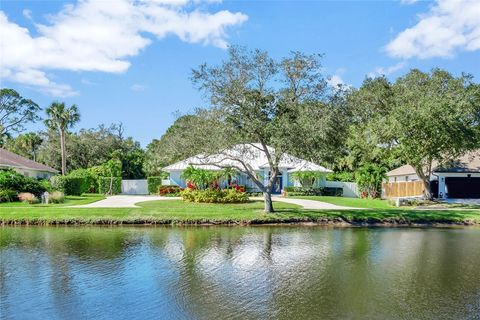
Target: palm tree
31 142
62 118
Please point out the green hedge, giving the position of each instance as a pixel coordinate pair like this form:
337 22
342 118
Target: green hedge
71 186
14 181
214 196
104 185
153 184
322 191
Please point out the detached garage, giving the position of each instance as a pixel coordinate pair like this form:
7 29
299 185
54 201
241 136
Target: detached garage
462 187
458 179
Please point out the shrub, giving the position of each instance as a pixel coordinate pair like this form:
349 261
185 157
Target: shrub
307 179
28 197
369 180
214 196
12 180
45 184
322 191
169 191
8 195
104 185
90 179
71 186
153 184
56 197
343 176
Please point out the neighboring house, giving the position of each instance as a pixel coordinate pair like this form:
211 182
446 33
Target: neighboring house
25 166
458 179
258 162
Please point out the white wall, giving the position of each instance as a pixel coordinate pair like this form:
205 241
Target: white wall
34 174
135 186
350 189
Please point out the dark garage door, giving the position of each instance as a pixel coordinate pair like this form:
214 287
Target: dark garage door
463 188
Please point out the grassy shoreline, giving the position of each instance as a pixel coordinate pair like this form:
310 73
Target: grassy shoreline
176 212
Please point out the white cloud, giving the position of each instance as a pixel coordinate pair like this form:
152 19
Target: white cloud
335 80
385 71
448 27
101 36
137 87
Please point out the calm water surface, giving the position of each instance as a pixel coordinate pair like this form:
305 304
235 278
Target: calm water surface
239 273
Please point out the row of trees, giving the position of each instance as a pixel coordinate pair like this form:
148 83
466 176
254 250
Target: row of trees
60 148
257 102
420 118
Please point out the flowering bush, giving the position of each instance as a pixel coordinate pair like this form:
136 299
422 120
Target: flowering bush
169 191
28 197
214 195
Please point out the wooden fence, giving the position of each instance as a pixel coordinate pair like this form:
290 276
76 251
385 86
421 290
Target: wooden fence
402 189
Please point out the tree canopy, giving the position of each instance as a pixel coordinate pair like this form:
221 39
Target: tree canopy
15 112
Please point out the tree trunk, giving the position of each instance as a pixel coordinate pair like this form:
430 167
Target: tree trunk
62 147
426 186
426 182
267 196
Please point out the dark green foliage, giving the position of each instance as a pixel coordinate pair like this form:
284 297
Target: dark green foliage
8 195
369 180
90 179
153 184
344 176
15 112
71 186
322 191
104 185
214 196
11 180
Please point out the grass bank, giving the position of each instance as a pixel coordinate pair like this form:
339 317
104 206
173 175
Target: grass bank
69 201
179 212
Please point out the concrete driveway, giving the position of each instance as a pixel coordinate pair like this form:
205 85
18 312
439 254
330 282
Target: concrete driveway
123 201
129 201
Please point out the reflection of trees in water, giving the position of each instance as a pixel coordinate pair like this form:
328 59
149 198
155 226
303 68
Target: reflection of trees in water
267 272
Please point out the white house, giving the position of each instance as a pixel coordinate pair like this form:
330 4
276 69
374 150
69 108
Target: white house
458 179
27 167
252 156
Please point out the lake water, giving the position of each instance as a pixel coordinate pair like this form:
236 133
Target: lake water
239 273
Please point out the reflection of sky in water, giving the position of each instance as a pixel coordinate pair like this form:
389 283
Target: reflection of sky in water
248 273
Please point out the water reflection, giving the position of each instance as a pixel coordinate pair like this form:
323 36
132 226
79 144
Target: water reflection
244 273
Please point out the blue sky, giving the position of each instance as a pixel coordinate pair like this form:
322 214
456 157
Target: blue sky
132 63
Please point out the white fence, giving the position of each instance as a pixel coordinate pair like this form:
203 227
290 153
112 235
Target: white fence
350 189
134 187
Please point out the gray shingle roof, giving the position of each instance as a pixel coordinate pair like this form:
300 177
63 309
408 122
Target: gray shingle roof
469 162
11 160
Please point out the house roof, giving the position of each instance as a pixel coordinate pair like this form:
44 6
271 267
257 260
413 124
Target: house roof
469 162
11 160
250 154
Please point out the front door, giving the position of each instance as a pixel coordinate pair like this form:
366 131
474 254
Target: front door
277 185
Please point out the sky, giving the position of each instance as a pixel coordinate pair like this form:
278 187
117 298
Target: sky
131 61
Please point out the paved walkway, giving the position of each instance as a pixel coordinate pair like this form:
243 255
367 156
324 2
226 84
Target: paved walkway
123 201
129 201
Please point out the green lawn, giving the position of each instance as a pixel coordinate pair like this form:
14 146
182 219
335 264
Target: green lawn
352 202
179 212
69 201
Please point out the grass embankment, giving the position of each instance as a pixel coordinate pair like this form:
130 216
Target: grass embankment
352 202
179 212
69 201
